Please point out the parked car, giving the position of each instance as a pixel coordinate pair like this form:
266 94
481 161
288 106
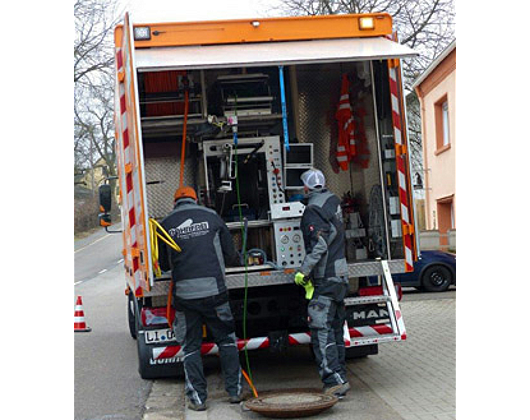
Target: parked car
434 271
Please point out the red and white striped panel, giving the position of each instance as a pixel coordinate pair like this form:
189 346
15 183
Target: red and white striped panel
253 343
401 325
373 334
401 161
209 349
376 333
132 192
299 338
122 135
127 157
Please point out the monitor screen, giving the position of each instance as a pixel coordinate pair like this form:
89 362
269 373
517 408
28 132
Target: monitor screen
299 154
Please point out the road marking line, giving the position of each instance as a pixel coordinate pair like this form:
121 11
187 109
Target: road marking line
97 240
120 261
77 282
102 271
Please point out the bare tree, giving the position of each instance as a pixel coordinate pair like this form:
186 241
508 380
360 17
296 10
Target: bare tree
94 24
94 124
425 25
93 83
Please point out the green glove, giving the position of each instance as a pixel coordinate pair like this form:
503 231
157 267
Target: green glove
309 290
299 279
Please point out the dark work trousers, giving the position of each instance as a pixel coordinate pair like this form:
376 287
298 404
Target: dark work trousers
326 314
190 315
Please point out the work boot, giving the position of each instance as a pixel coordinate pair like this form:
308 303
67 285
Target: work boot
235 399
338 390
196 407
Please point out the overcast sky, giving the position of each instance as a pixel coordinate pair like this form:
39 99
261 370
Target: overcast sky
148 11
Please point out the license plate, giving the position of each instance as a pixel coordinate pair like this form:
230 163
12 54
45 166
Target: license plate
159 336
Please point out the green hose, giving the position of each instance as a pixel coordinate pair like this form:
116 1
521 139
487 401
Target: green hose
243 235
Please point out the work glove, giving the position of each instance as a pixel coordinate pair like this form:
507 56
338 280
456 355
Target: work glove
300 280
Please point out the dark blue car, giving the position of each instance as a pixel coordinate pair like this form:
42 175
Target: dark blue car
434 271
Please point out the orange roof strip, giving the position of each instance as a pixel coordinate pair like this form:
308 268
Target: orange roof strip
269 29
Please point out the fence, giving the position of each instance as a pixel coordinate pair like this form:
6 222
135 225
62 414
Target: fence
434 240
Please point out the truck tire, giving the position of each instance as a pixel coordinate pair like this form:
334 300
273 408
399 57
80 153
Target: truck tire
149 369
132 308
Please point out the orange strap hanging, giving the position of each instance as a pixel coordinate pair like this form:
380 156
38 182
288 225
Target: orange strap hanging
254 391
168 307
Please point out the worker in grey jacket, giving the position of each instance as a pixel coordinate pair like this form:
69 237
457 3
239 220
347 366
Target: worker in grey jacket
199 292
325 268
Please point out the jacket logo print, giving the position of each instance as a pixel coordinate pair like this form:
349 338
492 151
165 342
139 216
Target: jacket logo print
189 229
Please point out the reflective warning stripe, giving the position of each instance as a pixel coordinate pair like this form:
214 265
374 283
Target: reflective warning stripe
401 160
129 148
371 331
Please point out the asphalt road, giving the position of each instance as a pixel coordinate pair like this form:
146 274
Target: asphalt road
107 383
96 254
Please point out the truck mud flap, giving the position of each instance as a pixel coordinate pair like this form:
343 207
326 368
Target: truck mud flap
150 367
362 351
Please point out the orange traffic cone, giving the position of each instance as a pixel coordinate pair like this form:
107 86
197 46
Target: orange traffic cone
79 317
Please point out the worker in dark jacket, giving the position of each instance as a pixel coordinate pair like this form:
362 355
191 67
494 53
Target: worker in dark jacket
199 292
325 264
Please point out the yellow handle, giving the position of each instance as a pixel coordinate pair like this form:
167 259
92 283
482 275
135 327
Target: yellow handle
168 239
154 230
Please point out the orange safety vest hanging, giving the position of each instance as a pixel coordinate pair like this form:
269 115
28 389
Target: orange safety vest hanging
362 156
346 147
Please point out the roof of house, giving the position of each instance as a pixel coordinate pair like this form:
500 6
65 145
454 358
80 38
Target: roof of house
434 64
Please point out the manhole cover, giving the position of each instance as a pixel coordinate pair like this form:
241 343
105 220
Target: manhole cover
291 403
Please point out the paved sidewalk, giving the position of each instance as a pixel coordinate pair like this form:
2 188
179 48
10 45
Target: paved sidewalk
417 377
166 401
411 380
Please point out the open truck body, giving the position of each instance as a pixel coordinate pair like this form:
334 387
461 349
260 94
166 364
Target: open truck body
262 97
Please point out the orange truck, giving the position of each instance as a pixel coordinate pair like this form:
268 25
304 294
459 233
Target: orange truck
249 105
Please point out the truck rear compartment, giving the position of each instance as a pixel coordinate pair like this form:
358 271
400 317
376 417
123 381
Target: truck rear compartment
312 96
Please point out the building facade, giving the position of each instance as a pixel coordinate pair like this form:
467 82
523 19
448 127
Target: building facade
436 90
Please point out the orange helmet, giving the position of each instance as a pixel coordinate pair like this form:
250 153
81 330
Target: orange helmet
185 192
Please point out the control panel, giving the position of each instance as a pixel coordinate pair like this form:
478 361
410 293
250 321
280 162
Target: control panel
274 170
290 250
287 210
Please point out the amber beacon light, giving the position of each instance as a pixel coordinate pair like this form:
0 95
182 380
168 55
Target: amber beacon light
366 23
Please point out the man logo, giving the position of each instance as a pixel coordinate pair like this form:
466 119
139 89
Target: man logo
371 314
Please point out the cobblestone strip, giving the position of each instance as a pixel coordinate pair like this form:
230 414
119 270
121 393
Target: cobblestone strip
166 401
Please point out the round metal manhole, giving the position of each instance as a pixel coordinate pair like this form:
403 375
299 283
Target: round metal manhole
291 403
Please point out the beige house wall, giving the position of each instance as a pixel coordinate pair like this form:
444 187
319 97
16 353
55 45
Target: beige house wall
439 163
